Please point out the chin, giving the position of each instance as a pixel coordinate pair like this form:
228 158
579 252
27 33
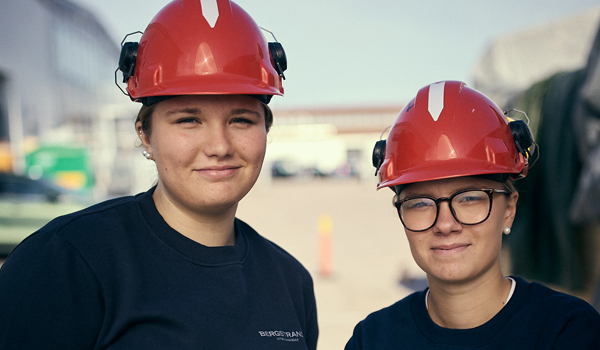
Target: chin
455 274
215 207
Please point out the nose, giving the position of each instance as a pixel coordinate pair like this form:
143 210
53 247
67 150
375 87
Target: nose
446 223
217 142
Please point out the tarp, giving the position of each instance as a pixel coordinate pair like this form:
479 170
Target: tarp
560 195
513 62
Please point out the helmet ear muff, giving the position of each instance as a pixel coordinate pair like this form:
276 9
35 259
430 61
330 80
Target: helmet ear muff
378 154
522 136
127 59
278 56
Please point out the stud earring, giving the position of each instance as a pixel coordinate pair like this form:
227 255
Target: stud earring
507 230
146 154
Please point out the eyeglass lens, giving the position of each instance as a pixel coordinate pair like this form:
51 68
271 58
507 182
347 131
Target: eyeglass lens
469 208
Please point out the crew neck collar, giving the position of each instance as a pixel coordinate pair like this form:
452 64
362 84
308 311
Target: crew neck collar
477 336
186 247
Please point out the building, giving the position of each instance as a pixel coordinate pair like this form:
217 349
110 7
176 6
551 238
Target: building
57 67
327 141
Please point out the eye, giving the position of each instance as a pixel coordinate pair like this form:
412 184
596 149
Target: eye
187 120
471 197
418 204
240 120
245 117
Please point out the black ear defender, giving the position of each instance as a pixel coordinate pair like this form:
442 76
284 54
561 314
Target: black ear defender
379 152
524 140
522 135
277 55
127 60
279 58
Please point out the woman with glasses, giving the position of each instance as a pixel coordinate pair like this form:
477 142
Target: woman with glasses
450 158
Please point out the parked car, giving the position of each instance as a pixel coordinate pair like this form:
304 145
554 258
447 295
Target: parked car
27 204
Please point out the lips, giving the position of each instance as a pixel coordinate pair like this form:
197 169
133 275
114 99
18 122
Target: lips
219 171
446 249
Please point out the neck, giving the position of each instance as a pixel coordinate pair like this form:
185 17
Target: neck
469 304
214 228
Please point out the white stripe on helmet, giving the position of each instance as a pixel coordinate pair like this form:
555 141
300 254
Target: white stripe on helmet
210 11
436 100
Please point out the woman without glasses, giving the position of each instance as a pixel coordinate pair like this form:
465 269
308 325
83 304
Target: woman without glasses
173 268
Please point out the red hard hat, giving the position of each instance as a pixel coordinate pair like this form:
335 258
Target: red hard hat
203 47
450 130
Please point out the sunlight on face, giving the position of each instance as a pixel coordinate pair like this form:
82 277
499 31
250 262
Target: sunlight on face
208 149
451 251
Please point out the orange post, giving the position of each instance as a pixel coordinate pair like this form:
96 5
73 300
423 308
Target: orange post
325 228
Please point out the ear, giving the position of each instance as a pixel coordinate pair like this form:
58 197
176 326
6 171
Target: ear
511 209
144 138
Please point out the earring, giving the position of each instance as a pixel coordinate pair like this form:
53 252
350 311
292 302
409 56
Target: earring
146 154
507 230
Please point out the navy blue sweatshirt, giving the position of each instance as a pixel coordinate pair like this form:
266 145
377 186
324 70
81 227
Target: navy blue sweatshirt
116 276
536 317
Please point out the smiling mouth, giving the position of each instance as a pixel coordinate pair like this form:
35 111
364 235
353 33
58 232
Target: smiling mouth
219 172
449 249
219 168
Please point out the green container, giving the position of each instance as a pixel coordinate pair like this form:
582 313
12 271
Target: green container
66 166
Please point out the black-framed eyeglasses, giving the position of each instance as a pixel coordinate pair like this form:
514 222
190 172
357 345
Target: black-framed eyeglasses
468 207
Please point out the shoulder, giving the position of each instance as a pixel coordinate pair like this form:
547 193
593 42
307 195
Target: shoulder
106 212
84 225
84 243
390 316
388 327
543 296
566 319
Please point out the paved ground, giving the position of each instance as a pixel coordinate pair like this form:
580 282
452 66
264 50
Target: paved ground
369 251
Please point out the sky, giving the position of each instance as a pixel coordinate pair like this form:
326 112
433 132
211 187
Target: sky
368 53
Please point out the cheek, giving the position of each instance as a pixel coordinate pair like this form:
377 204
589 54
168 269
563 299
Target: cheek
174 149
262 150
489 238
415 243
254 147
496 221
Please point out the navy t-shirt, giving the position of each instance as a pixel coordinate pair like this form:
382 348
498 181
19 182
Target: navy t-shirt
116 276
536 317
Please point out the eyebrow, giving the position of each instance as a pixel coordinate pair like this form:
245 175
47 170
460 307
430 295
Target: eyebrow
476 186
184 110
237 111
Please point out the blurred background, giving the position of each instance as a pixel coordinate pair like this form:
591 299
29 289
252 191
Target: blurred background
67 137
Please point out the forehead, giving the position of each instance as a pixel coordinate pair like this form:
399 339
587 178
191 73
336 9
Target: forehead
224 102
446 187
